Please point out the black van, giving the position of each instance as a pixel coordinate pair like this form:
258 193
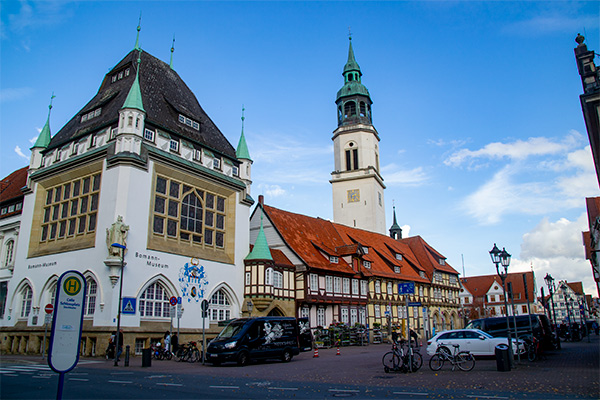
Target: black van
260 338
496 326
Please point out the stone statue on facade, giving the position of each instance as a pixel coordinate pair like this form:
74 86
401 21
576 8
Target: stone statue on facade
117 233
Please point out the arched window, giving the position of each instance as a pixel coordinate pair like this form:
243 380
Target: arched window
191 217
92 290
363 109
220 306
349 109
351 157
269 276
10 246
277 279
154 302
26 297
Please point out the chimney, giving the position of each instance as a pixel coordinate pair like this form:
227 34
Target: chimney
261 199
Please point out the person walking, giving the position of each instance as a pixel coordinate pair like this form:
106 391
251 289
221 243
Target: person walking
167 341
174 343
120 349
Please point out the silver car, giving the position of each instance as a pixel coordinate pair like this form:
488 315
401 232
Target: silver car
476 341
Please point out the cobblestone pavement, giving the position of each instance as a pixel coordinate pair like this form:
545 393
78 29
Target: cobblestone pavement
572 371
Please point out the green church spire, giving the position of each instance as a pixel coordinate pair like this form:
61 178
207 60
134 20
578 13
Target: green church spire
261 249
44 137
172 50
242 152
395 230
351 64
134 98
137 38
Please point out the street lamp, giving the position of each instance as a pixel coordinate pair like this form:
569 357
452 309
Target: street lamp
550 283
570 320
503 258
122 247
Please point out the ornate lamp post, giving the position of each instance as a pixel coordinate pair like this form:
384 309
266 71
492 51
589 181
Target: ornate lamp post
122 247
503 258
570 319
550 283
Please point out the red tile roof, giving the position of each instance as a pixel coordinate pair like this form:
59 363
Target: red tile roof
576 286
427 256
480 285
314 239
593 209
10 187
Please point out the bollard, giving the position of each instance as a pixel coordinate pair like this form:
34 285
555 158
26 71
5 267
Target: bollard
127 356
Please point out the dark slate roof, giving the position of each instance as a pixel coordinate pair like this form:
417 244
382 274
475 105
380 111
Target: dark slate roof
164 95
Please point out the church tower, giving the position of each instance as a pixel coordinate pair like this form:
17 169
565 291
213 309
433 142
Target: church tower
356 181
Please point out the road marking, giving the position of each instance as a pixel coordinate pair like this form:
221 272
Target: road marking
156 376
486 397
281 388
224 387
78 373
344 390
79 379
120 382
41 377
169 384
121 373
412 393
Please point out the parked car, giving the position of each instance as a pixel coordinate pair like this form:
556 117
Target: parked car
244 339
476 341
496 326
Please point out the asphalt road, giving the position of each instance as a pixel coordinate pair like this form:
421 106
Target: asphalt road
572 373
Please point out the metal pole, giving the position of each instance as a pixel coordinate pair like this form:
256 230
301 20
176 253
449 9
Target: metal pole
512 302
510 351
408 335
44 345
203 336
117 338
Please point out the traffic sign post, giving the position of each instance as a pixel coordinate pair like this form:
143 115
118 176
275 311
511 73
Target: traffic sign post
65 337
407 288
49 309
204 306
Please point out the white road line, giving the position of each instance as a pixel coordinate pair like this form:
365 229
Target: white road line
78 373
120 382
344 391
169 384
486 397
281 388
31 367
224 387
11 375
121 373
41 377
79 379
413 393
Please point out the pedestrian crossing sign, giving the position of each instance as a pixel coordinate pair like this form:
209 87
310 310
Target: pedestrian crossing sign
128 305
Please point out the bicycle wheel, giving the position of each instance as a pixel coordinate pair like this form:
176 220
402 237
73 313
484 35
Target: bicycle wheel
417 361
436 362
390 361
465 361
195 356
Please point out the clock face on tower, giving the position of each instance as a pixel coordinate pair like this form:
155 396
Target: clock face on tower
353 196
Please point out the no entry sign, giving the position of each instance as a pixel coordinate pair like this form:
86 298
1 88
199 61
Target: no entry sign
49 308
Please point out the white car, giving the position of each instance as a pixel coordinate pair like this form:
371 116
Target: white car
476 341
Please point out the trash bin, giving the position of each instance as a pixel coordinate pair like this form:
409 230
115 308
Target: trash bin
146 357
502 357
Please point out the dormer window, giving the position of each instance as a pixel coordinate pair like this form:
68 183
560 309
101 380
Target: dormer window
75 150
442 261
217 163
365 250
189 122
235 171
397 269
422 275
398 256
333 259
91 114
149 135
367 264
174 145
197 155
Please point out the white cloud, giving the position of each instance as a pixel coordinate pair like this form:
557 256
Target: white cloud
14 94
517 150
551 24
557 248
20 153
271 190
393 175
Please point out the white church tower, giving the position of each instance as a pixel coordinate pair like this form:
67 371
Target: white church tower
358 198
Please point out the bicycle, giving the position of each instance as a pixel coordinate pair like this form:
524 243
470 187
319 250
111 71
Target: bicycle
188 352
464 360
398 359
533 348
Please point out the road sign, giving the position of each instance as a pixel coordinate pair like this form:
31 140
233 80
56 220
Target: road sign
49 308
128 305
179 300
48 319
414 304
406 288
173 300
65 338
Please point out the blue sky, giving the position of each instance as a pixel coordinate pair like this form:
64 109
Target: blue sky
476 103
